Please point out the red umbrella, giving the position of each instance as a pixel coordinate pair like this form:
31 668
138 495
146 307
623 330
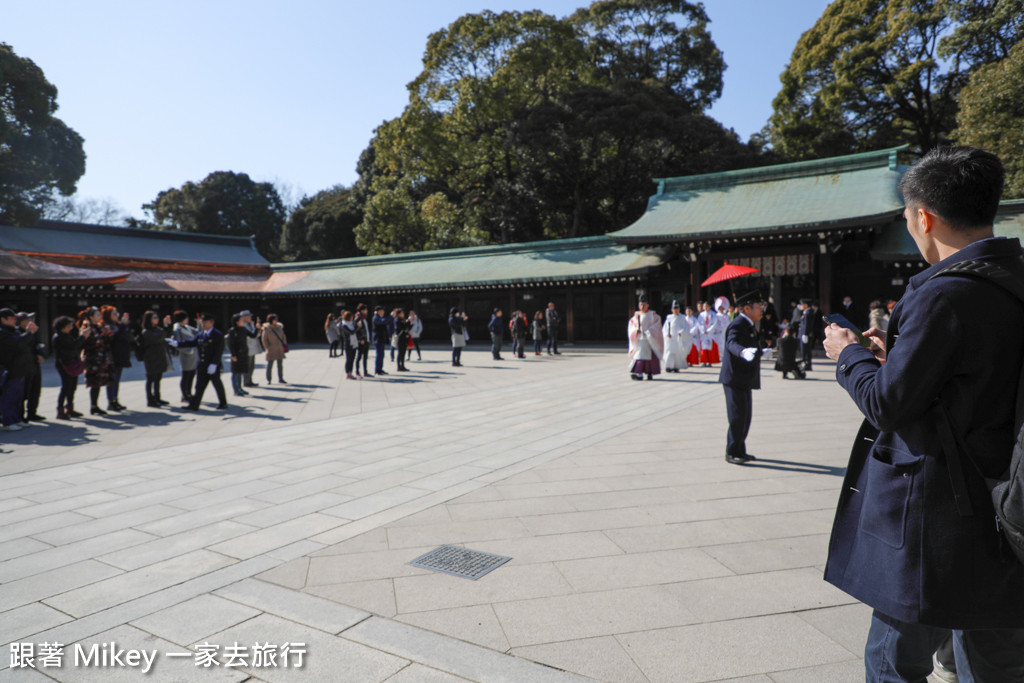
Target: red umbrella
727 272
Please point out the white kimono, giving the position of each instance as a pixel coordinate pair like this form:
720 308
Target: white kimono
645 339
676 333
707 321
719 334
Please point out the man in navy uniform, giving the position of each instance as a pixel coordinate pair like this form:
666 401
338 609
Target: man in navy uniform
210 342
938 396
741 374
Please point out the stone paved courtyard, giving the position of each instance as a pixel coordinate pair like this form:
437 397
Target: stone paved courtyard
638 554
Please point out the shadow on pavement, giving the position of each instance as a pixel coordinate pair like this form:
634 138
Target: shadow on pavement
790 466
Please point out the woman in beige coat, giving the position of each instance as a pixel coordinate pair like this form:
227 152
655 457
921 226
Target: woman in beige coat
276 343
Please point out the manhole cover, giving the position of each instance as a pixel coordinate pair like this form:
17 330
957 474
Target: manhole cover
451 559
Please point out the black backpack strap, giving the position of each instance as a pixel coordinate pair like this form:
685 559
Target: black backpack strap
997 275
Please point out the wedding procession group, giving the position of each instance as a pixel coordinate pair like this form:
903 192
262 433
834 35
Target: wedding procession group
693 337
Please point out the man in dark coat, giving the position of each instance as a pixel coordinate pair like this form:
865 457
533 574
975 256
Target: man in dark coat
901 542
34 380
807 328
553 320
741 374
210 342
16 356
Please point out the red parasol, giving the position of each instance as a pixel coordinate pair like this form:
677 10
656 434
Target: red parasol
727 272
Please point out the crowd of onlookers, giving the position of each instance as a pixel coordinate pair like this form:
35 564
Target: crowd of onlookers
101 342
352 333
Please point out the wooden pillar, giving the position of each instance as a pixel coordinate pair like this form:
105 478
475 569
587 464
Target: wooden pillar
43 315
825 281
570 318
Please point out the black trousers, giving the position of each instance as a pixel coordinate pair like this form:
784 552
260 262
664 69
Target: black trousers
187 377
153 387
363 354
68 384
350 357
807 352
738 407
202 379
33 387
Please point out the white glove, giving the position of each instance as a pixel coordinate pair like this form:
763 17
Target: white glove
803 339
766 353
172 342
211 368
748 354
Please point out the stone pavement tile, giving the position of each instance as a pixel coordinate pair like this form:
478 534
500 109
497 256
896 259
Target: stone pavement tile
588 615
305 609
417 673
295 550
374 502
535 489
455 533
105 525
602 659
477 624
288 510
566 471
803 523
591 520
164 669
384 564
141 499
688 511
482 495
764 556
455 475
826 673
241 490
747 595
51 558
137 583
191 621
436 590
327 658
289 492
724 649
434 515
371 541
450 655
68 502
14 504
640 569
682 535
520 507
258 542
376 597
847 625
22 675
290 574
21 622
187 521
21 546
167 547
34 588
572 546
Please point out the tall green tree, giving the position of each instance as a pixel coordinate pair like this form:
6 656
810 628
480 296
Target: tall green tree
866 76
39 154
992 115
655 42
460 165
322 226
223 203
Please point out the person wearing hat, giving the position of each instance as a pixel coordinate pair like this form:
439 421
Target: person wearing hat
252 342
646 344
34 380
210 342
678 341
741 374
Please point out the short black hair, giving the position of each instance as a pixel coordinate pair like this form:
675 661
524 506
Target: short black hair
180 316
962 185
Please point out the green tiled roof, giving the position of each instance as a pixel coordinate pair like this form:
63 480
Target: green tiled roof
896 244
825 193
530 262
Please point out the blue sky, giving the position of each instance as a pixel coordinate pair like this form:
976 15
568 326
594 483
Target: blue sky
290 92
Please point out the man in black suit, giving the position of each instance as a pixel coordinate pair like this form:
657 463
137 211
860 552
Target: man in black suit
741 374
807 333
211 348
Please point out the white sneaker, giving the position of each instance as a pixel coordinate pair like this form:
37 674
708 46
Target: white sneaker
26 424
11 428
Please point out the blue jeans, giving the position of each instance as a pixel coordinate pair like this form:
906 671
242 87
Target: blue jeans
378 362
898 652
237 379
10 400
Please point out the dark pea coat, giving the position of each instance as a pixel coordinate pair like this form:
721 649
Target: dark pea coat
898 542
736 372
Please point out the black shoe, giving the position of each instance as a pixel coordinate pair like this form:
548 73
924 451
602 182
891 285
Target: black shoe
737 459
748 456
96 410
115 406
650 377
192 406
36 418
222 406
74 413
636 377
280 381
153 404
